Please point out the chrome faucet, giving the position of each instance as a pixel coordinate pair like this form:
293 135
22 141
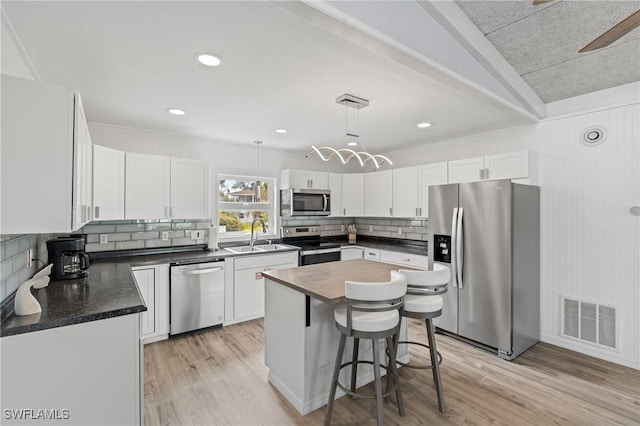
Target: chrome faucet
253 224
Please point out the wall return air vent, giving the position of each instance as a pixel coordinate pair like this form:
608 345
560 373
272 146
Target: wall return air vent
589 322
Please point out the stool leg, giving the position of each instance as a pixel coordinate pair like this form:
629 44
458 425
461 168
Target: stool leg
378 384
393 373
394 339
435 366
354 366
334 380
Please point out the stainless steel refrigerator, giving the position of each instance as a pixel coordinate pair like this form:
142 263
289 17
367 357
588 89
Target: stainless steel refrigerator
488 233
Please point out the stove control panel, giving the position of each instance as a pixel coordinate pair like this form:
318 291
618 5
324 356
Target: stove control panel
300 231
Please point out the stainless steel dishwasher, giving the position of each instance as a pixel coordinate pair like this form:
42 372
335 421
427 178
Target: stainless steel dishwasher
197 296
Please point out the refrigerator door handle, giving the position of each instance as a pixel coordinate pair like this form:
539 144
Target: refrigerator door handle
459 251
454 234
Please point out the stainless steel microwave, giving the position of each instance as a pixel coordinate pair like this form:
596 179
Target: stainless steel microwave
305 202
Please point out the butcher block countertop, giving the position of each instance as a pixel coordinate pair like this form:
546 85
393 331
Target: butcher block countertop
325 281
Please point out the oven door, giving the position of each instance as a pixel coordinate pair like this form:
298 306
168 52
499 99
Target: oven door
311 257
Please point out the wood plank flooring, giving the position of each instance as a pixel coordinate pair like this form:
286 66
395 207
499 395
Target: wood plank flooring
217 377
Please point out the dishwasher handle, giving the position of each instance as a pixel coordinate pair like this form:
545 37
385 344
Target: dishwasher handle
198 271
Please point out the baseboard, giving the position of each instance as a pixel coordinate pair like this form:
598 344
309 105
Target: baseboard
604 354
153 339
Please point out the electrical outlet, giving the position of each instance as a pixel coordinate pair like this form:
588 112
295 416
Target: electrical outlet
342 227
197 235
399 230
104 238
370 228
165 236
29 257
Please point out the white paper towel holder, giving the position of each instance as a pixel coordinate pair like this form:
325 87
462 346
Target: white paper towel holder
212 243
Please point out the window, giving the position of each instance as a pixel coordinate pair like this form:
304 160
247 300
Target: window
241 199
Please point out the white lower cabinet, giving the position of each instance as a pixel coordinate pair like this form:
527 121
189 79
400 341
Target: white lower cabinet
348 253
153 283
89 373
248 284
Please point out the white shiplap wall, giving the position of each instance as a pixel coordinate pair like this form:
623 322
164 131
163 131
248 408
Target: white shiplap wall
590 243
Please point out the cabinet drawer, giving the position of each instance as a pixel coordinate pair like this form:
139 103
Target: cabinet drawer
413 260
257 261
372 254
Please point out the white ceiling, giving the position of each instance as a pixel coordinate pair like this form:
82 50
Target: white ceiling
133 60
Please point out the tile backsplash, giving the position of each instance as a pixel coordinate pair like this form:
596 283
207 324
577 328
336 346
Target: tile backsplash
411 229
14 258
137 234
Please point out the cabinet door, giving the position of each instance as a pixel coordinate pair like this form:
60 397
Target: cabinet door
189 189
378 190
513 165
147 186
146 280
163 298
353 194
249 290
429 174
108 183
303 179
405 192
466 170
335 186
82 168
348 253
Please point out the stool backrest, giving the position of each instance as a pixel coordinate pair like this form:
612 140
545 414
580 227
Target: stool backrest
427 283
375 296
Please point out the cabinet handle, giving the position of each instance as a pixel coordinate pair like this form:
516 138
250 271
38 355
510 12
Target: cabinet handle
420 209
390 211
170 212
417 214
267 269
166 211
371 254
97 213
486 173
89 217
406 260
82 214
344 211
481 174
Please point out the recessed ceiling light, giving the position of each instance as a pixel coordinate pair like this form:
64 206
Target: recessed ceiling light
352 143
208 59
175 111
281 131
424 125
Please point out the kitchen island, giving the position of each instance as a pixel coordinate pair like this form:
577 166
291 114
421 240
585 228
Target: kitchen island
301 339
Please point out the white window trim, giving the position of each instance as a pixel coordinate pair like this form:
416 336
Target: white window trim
275 194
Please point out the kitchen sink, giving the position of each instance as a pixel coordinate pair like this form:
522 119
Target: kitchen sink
243 249
255 249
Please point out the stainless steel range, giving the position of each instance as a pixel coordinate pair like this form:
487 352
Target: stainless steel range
313 249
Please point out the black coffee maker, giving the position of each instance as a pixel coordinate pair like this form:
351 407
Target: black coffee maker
68 258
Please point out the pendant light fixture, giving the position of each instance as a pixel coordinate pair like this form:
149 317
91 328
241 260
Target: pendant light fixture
326 153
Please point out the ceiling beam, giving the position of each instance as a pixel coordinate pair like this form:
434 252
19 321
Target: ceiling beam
458 24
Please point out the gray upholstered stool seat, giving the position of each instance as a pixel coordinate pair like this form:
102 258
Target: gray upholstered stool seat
372 311
424 301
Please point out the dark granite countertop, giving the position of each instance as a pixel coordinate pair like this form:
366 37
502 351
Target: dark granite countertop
391 244
110 289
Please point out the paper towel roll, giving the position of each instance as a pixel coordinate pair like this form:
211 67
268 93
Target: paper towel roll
213 238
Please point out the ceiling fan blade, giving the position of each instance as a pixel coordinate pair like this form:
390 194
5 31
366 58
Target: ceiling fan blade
617 31
537 2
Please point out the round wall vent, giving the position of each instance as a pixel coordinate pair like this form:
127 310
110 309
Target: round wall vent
593 136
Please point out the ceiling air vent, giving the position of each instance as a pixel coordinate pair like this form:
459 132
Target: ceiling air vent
589 322
593 136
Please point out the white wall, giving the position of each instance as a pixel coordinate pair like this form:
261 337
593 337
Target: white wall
590 243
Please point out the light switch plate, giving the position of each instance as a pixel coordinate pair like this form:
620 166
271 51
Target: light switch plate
104 238
370 228
197 235
165 236
399 230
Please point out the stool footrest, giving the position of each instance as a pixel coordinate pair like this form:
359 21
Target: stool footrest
417 366
349 392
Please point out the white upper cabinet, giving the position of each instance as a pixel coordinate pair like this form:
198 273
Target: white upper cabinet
108 183
378 194
514 165
335 186
466 170
303 179
405 192
353 194
189 189
41 193
147 194
429 175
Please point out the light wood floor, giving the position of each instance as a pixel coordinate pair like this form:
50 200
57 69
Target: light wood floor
218 377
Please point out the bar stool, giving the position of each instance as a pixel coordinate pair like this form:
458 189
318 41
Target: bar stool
372 311
424 301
